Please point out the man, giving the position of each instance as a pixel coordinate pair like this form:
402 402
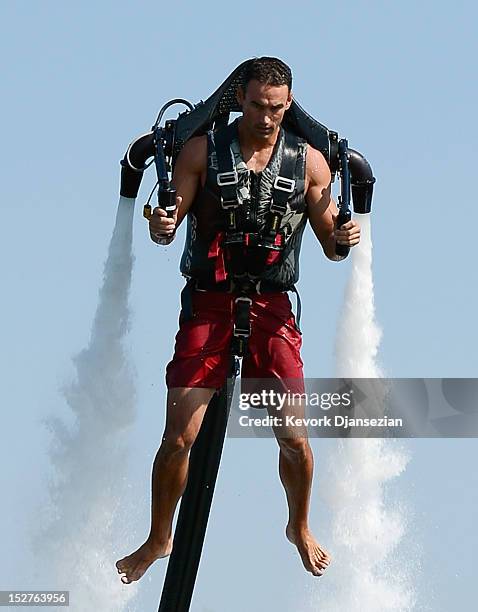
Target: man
257 144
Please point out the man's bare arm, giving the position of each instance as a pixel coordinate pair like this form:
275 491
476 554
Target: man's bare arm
323 209
189 168
320 203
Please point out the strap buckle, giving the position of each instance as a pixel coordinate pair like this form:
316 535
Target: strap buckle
278 208
244 298
227 178
242 330
234 238
284 184
227 204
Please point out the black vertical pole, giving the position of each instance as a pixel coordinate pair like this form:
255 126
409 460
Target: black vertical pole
196 502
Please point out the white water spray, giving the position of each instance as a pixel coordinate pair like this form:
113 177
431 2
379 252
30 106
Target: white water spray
87 530
368 574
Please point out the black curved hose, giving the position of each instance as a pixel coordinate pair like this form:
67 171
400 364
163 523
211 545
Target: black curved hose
134 163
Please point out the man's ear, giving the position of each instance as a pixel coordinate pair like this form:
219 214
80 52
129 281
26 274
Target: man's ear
240 95
290 97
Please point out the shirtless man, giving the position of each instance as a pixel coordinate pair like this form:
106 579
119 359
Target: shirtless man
264 98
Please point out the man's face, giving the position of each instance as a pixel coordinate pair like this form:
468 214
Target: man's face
263 107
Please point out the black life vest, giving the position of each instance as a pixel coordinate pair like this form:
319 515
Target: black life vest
247 225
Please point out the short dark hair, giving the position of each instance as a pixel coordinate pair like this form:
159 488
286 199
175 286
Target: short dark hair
269 71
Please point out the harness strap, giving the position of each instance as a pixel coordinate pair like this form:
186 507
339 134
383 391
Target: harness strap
242 326
284 183
227 176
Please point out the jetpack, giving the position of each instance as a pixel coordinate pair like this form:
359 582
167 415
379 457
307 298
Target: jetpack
161 146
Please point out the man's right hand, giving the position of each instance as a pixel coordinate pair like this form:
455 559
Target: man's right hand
161 226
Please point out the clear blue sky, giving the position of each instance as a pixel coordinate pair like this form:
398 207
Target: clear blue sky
81 80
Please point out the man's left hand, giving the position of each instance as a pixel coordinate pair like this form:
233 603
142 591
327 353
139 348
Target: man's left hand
348 234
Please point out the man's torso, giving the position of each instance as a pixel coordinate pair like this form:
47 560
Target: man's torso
255 188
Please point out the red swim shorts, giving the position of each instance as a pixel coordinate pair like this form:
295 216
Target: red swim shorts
201 353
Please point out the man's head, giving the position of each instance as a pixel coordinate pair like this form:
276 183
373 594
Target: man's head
265 95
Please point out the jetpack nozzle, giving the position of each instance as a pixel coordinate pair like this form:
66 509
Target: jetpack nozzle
362 181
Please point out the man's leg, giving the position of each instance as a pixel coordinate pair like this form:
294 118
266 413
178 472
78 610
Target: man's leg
185 412
296 467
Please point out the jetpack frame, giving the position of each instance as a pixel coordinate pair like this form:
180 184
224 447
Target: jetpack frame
162 146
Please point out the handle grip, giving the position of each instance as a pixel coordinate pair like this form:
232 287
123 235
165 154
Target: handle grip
167 200
343 217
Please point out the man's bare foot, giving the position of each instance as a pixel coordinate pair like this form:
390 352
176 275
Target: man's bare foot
315 558
133 566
